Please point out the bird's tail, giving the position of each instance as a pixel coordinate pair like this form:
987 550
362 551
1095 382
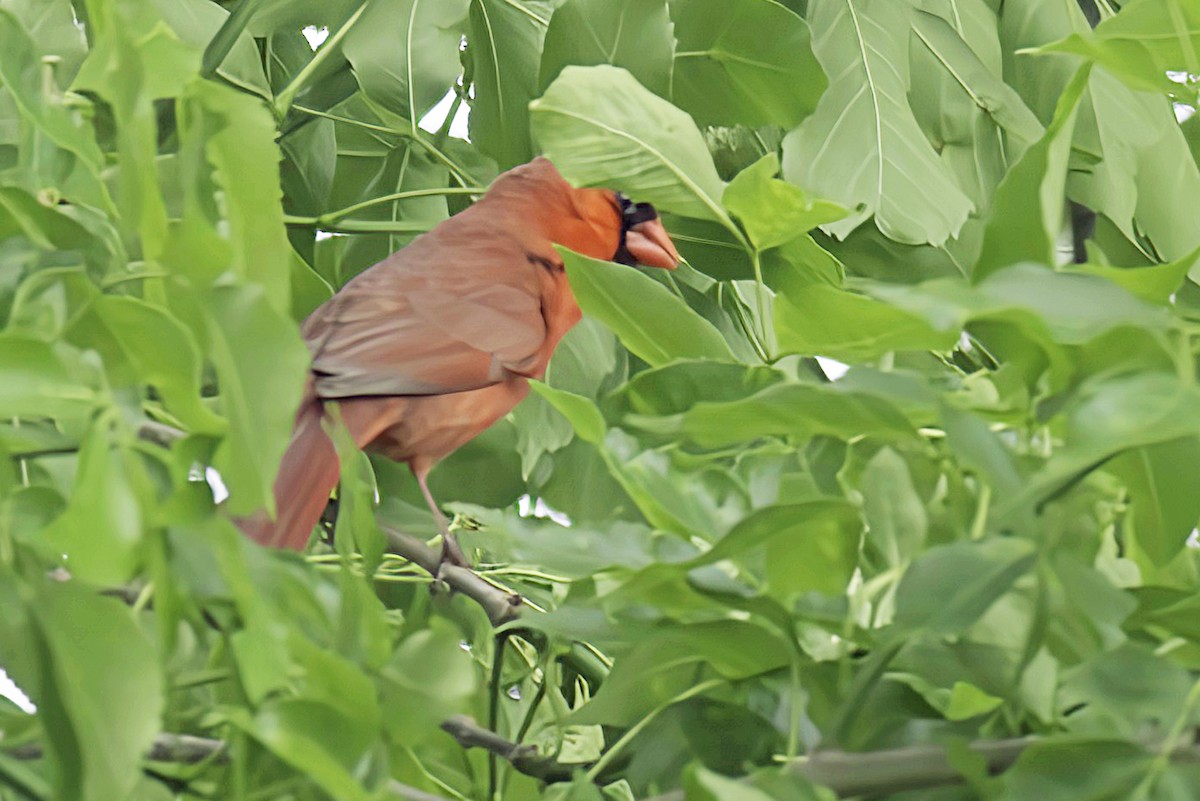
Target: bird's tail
309 471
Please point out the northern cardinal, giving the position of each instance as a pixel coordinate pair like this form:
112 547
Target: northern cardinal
429 347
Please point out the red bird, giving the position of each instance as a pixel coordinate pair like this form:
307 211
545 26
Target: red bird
429 347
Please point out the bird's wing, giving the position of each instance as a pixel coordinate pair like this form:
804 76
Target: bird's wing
446 314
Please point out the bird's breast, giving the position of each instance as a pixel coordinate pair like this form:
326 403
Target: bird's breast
422 430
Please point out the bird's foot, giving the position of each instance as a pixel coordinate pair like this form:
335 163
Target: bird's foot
451 555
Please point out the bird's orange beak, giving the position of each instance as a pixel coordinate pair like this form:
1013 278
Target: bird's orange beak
649 243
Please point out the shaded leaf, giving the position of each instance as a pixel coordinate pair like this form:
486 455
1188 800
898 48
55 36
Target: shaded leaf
637 37
862 147
650 321
744 62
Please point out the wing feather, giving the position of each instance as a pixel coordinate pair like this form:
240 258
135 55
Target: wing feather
458 309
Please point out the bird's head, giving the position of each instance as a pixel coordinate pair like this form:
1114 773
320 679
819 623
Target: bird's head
598 223
643 239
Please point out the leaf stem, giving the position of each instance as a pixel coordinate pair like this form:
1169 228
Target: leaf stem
220 45
283 101
760 297
331 218
360 226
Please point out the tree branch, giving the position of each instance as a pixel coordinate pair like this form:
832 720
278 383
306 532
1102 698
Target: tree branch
523 757
918 767
498 604
160 433
182 748
189 750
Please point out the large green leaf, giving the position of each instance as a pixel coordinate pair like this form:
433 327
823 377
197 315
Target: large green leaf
799 410
1026 214
862 146
1165 510
747 62
965 98
832 322
97 666
948 588
405 55
195 22
100 533
650 321
587 32
239 143
258 354
505 46
601 127
1110 415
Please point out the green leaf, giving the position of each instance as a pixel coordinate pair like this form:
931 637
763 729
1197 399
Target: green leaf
949 587
1109 415
504 46
984 87
1155 283
75 170
746 62
1140 45
1125 688
427 679
896 520
1097 768
258 355
773 211
812 546
1026 213
654 324
41 380
601 127
787 410
829 321
51 23
705 785
101 531
196 22
296 730
1165 510
581 412
98 667
862 147
635 37
164 354
968 701
239 141
405 55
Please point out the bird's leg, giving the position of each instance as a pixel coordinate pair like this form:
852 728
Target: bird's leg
451 552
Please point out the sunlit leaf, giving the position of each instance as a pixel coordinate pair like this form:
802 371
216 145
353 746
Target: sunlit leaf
601 127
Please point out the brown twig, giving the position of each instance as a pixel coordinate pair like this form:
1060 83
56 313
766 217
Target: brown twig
917 767
160 433
522 756
498 604
185 749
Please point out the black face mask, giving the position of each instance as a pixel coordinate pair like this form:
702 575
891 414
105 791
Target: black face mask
631 215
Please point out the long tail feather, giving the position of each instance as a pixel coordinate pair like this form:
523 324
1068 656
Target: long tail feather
309 471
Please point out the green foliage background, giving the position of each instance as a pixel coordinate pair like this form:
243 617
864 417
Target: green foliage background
978 532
